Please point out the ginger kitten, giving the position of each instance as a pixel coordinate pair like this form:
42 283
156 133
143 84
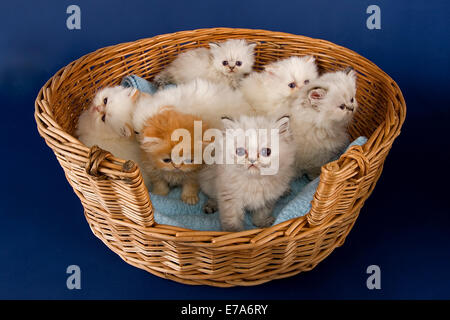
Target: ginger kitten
159 155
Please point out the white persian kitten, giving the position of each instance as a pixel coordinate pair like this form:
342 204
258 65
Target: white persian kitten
202 98
320 117
224 62
108 123
242 185
269 90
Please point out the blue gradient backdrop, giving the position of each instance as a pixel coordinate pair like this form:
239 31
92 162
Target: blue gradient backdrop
403 228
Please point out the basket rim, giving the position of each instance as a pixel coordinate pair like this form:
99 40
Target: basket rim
354 158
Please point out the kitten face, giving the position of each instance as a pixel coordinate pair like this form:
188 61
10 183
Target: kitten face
291 74
261 149
112 107
233 57
334 97
158 146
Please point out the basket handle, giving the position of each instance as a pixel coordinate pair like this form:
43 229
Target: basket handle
132 190
351 167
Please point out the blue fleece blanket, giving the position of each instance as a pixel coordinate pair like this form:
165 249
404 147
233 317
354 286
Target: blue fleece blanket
133 81
172 211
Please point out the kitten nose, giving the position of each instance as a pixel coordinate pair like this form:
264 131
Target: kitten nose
350 108
231 67
252 160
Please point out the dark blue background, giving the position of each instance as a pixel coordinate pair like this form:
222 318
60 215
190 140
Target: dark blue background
403 228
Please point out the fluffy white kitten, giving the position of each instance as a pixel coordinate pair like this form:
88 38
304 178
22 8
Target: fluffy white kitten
320 117
225 62
234 188
271 89
202 98
107 123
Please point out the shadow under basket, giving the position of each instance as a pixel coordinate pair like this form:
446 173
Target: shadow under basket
117 205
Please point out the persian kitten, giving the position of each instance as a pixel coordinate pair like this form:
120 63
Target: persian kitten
163 170
320 117
202 98
269 90
235 187
224 62
108 123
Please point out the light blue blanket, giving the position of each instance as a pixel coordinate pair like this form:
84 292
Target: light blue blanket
133 81
172 211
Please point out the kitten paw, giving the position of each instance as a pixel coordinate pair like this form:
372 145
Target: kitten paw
161 189
232 227
210 206
189 198
263 222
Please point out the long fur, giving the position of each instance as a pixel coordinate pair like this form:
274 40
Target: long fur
157 145
270 89
319 125
239 187
207 63
202 98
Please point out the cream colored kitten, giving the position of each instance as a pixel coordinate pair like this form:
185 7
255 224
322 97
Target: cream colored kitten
224 62
272 88
320 117
107 123
202 98
242 185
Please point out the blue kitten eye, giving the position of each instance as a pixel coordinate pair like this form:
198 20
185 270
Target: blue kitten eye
241 152
342 106
239 63
352 100
105 101
167 160
292 85
225 63
265 152
104 117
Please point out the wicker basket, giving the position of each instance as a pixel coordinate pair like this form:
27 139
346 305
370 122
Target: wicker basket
117 204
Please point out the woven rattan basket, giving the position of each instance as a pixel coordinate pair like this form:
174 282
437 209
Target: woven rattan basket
117 204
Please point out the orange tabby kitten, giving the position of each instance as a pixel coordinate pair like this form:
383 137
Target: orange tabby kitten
157 146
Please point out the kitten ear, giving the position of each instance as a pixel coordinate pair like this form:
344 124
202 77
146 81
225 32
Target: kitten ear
283 125
316 94
310 59
150 144
251 45
228 122
350 72
214 45
134 94
126 130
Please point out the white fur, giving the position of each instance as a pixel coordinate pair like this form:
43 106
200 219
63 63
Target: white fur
269 90
208 63
207 100
116 133
319 125
239 187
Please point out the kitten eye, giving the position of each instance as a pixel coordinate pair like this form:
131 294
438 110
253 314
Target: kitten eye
306 82
187 161
225 63
167 160
342 106
352 100
105 101
104 117
239 63
241 152
292 85
265 152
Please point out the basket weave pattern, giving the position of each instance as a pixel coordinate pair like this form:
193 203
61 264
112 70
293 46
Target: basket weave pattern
117 205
